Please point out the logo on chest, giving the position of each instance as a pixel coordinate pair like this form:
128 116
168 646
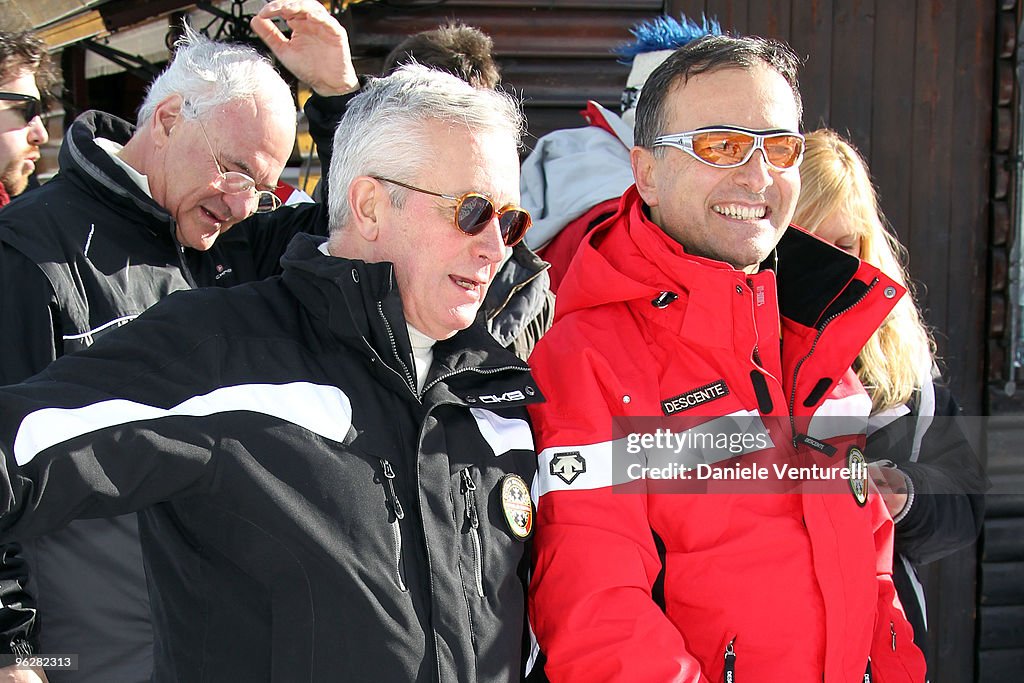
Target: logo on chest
695 397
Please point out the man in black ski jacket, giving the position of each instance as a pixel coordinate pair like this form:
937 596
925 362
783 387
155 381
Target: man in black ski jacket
136 213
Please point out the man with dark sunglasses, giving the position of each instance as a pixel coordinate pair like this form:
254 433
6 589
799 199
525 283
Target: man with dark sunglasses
26 73
519 306
703 349
333 466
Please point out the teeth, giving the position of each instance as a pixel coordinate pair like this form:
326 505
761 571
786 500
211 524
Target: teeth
465 284
743 213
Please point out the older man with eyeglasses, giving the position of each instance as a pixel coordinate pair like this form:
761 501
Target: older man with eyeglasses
26 72
138 212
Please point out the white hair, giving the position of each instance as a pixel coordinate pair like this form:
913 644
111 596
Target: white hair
207 74
383 132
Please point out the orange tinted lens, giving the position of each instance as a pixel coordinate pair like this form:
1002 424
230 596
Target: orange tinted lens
473 213
783 150
722 147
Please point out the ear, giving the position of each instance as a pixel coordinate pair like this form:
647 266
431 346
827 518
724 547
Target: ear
645 174
365 198
166 115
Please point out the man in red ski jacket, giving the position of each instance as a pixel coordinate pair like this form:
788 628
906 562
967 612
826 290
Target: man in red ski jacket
697 303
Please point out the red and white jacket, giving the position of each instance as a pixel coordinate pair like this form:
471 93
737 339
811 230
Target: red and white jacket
647 583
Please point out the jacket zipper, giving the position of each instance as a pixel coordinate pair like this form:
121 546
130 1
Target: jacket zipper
730 662
892 630
396 527
394 349
185 271
797 438
473 516
481 371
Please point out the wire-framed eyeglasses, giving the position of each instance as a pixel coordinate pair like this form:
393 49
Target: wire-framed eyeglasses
234 182
729 146
29 106
473 211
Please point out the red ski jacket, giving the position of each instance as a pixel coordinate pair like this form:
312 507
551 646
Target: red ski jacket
765 581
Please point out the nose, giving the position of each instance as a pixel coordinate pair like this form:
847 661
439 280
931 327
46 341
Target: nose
755 175
242 205
37 134
489 244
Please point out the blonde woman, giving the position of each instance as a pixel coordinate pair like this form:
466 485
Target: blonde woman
915 456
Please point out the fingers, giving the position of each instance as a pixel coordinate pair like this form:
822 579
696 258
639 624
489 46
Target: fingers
290 10
267 31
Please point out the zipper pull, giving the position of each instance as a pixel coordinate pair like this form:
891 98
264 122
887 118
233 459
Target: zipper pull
389 474
892 630
730 662
469 491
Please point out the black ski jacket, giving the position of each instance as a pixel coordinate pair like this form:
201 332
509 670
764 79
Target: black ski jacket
307 516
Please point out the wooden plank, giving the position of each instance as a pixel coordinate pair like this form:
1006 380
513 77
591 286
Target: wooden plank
972 100
1001 583
997 506
853 40
692 9
732 14
1000 666
931 139
770 19
534 32
566 82
950 590
1001 627
811 39
1003 541
892 116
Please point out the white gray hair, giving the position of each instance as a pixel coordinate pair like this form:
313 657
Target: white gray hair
383 132
207 74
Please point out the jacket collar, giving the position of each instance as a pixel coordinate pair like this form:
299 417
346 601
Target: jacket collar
629 257
88 166
360 304
516 295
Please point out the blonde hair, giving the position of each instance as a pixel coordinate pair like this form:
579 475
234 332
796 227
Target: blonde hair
834 178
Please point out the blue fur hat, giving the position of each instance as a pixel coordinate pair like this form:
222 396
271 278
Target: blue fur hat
665 33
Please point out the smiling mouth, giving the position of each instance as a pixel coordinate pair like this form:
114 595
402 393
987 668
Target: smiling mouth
741 213
465 283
